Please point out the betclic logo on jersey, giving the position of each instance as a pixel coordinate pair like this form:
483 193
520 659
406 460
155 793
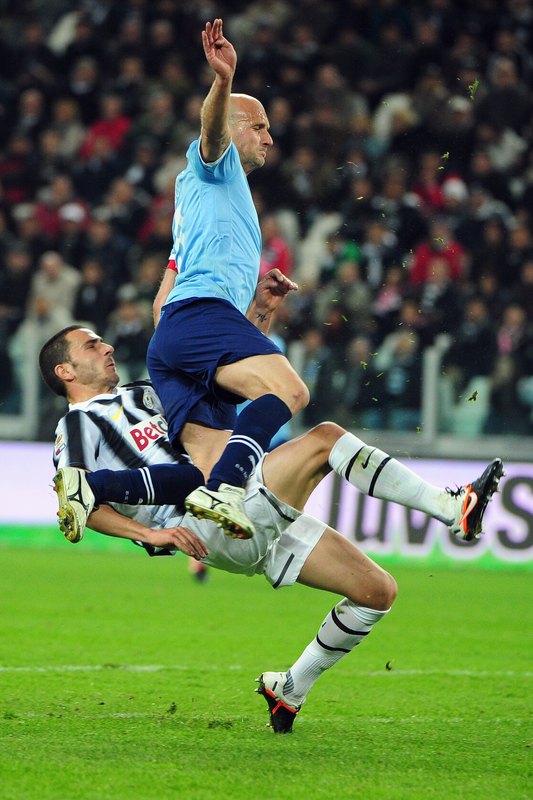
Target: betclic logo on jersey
145 433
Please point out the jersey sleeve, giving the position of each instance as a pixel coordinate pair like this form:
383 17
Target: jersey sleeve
78 442
223 170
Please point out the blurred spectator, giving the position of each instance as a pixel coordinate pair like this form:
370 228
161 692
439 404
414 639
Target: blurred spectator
94 298
401 209
129 41
310 184
362 137
130 84
439 242
482 172
51 198
359 401
173 78
393 47
147 279
7 380
15 284
185 128
155 238
411 318
31 116
160 45
430 96
454 203
488 287
33 62
112 125
519 250
399 395
28 230
508 97
427 183
143 165
356 206
43 319
84 44
72 237
55 282
352 293
513 362
109 248
127 208
83 86
314 362
522 289
388 299
489 250
50 160
275 253
66 122
93 175
379 249
18 168
440 298
338 249
474 346
158 122
129 331
504 147
281 124
456 134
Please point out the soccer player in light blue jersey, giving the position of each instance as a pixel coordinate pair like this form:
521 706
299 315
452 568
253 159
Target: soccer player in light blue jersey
205 355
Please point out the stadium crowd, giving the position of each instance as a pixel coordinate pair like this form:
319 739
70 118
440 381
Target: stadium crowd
398 192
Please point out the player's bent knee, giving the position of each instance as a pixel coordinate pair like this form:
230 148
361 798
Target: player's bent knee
379 592
326 433
302 396
295 394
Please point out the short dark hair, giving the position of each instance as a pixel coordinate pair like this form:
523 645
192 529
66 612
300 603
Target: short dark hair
53 352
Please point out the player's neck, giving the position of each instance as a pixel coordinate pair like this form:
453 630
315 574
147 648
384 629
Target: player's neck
84 393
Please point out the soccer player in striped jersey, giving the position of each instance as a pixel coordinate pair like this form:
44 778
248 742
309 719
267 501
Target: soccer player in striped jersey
107 426
204 344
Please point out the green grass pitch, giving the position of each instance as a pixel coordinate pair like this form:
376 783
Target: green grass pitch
121 678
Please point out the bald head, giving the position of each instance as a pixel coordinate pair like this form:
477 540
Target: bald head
242 106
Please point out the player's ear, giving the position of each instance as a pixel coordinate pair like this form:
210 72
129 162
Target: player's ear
65 372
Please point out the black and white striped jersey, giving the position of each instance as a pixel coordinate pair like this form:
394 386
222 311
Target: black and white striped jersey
123 430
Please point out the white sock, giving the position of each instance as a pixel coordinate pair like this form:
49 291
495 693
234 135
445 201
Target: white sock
377 474
346 625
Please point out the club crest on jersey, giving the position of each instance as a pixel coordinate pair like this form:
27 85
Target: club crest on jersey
145 433
148 399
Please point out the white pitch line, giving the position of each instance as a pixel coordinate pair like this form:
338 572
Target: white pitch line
358 718
237 667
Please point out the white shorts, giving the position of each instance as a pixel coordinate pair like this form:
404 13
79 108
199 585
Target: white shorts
284 537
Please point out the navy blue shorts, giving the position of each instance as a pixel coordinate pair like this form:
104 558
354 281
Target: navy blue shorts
192 339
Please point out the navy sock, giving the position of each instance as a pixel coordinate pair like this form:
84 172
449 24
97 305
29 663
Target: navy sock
161 484
256 425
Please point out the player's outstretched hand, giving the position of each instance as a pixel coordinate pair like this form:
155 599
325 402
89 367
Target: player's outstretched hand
271 290
182 538
219 52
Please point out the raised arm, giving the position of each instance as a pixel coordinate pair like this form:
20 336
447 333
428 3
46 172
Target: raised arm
221 56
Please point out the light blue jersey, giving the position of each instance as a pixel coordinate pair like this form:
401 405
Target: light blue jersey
217 239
